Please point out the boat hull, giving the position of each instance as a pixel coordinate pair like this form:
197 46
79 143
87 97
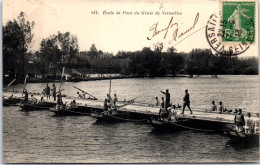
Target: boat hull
188 124
118 117
208 126
79 111
165 125
109 118
242 138
11 102
38 106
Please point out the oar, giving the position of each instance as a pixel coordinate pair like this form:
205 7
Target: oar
23 87
110 86
62 73
10 83
85 92
131 100
24 83
135 98
124 105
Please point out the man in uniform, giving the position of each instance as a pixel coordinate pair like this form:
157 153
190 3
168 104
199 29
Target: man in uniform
26 96
213 106
48 91
115 99
168 98
59 101
256 124
248 123
79 95
157 102
239 121
54 92
186 101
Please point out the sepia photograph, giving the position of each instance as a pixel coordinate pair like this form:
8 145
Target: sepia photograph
127 81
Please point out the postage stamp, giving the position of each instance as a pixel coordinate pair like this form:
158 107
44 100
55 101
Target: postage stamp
238 20
232 30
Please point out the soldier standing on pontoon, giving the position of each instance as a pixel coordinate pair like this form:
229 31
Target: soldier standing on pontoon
48 91
239 121
26 96
115 100
256 124
157 102
168 98
186 101
108 99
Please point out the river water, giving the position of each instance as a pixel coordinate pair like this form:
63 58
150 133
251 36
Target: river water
38 137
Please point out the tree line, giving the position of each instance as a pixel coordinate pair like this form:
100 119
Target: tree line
62 49
154 63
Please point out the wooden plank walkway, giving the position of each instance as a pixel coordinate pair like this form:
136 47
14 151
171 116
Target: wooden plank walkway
143 109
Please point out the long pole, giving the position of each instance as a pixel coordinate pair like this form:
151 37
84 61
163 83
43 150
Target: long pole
63 69
23 87
10 83
24 83
85 92
110 86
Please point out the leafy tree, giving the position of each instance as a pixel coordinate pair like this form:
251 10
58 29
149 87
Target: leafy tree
249 66
158 47
198 61
58 50
17 37
176 63
152 61
68 44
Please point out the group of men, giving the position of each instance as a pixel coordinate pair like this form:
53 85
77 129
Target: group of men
83 96
33 100
110 102
47 92
214 107
243 124
246 124
166 105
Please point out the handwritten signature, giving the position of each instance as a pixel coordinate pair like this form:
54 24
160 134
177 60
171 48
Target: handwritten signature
174 26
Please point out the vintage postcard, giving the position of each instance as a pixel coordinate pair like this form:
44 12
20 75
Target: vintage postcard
127 81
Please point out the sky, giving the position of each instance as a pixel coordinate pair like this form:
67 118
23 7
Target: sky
117 32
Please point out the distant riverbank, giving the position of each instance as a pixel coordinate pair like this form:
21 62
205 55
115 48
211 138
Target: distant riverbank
93 78
96 77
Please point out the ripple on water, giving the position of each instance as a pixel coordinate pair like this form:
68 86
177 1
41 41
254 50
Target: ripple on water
35 137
